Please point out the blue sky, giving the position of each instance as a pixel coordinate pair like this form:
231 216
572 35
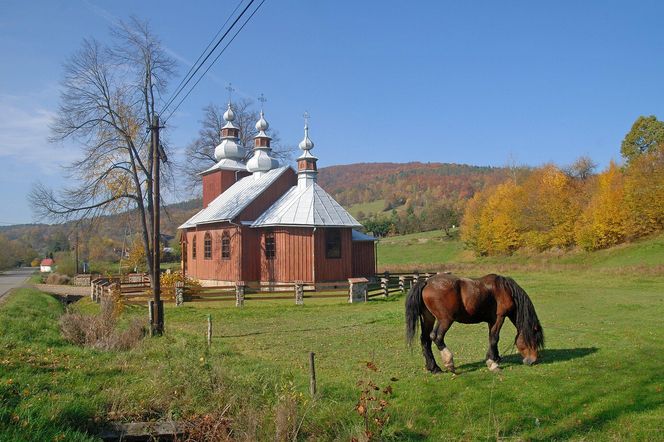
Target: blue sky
486 83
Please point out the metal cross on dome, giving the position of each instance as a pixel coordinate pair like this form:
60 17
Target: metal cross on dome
306 118
230 90
262 99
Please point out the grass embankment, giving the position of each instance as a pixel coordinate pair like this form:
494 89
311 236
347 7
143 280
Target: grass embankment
434 251
600 377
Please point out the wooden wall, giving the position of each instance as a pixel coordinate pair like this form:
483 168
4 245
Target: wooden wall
293 258
364 259
335 269
214 268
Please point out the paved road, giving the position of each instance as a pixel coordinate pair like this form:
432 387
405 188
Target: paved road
13 278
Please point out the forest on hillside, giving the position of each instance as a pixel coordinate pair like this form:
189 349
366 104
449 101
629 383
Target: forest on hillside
500 210
548 207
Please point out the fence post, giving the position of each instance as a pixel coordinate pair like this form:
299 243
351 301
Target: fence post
239 294
179 293
209 330
312 375
384 282
402 284
416 277
299 292
357 289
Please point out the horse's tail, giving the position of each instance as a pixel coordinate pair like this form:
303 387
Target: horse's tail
525 317
414 306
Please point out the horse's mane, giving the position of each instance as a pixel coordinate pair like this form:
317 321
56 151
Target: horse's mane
525 317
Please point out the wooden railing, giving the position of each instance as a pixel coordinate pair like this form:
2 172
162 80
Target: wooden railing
134 289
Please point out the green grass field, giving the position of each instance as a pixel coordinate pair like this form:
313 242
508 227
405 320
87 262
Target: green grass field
600 377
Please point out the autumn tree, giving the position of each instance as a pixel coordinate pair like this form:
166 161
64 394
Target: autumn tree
644 192
582 168
109 98
605 221
646 134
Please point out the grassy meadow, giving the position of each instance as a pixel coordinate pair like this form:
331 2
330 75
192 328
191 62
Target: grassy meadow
600 377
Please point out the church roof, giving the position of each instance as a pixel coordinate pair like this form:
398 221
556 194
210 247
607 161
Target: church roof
310 206
226 164
235 199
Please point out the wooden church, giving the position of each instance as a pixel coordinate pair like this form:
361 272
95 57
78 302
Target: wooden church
266 223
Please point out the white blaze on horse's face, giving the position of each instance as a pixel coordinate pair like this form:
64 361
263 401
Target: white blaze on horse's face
530 355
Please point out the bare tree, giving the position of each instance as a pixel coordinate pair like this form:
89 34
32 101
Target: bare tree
200 153
582 168
108 99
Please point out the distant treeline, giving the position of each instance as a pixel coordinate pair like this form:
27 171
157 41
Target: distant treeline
547 207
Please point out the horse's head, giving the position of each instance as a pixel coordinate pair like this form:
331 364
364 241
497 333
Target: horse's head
530 343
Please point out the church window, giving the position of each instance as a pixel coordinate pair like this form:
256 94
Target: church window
207 246
225 246
270 246
193 247
333 243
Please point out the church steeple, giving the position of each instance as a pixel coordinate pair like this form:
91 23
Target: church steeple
261 162
230 139
307 171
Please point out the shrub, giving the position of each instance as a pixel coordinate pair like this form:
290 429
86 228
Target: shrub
58 279
65 263
101 331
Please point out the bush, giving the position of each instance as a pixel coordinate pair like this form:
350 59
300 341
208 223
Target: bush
65 263
58 279
101 331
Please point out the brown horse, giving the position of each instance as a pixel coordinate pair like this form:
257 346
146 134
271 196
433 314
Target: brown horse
445 298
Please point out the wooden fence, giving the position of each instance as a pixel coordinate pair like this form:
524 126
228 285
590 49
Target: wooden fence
135 289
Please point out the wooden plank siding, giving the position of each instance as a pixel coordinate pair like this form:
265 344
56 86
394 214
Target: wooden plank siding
333 269
364 259
214 268
293 260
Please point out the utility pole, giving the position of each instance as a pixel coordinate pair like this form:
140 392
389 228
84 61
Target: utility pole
76 251
158 316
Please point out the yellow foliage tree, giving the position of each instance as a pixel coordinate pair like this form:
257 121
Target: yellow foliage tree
644 192
548 209
605 221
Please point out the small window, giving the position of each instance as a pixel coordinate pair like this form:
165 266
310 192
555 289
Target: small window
207 246
193 247
333 243
270 246
225 246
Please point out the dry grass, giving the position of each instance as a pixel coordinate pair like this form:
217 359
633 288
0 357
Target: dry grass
58 279
101 330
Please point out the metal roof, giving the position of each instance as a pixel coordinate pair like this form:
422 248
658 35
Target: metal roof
226 164
310 206
359 236
236 198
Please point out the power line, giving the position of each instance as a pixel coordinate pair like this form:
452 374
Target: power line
209 44
206 58
213 62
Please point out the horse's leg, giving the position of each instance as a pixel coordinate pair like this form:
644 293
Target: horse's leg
439 340
427 326
492 355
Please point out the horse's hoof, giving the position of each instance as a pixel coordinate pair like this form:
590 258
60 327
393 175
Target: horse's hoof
492 365
436 370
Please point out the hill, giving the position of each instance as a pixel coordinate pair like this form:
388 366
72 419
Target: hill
366 189
402 184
